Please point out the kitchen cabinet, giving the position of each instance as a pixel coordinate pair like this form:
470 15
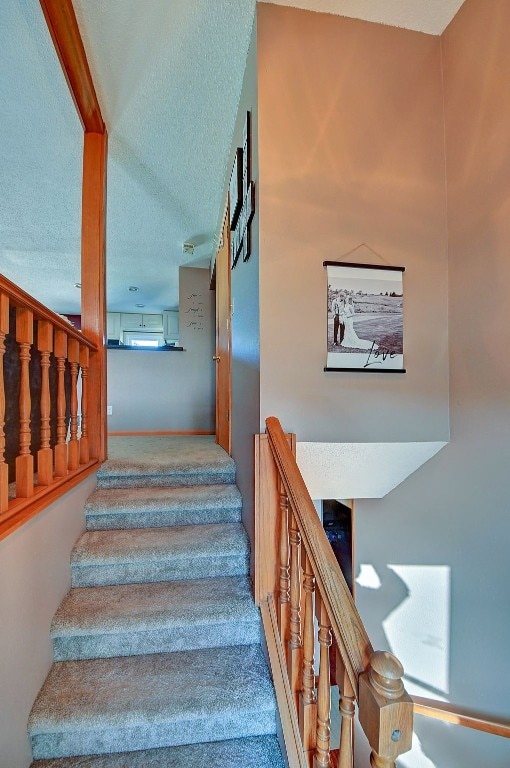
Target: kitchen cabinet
171 325
132 321
113 325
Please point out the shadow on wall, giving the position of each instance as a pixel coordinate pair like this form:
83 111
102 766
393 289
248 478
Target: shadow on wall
409 606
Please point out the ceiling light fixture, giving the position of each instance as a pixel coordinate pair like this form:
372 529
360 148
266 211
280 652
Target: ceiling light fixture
140 305
133 288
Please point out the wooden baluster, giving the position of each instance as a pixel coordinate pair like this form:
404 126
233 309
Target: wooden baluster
61 446
322 758
84 439
73 355
4 469
284 596
385 709
45 454
347 710
307 697
25 461
295 644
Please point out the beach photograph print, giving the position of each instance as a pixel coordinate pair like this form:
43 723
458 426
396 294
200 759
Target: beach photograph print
364 318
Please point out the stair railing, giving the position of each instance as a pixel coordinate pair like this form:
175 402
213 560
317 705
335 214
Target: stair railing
52 445
306 604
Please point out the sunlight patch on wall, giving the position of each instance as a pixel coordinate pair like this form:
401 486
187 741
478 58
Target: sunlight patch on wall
418 630
415 758
368 577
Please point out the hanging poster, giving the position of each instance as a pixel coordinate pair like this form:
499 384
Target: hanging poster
364 318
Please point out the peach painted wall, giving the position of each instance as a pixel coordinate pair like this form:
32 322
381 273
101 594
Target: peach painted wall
351 151
353 123
453 513
245 317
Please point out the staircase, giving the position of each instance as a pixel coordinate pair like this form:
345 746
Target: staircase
157 649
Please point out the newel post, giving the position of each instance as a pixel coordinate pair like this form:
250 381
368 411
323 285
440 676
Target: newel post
385 709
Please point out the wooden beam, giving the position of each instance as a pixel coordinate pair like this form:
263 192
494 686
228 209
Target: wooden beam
93 283
61 20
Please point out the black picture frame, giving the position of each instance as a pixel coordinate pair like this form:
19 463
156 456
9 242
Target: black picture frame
364 318
235 188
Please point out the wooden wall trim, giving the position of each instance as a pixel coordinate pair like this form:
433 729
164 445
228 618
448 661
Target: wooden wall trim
63 26
289 723
22 510
93 282
162 433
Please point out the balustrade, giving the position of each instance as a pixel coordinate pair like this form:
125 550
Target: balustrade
53 447
4 469
309 585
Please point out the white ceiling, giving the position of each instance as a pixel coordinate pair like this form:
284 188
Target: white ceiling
369 470
40 160
430 16
168 76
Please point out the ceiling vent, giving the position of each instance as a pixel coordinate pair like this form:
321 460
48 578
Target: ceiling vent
188 248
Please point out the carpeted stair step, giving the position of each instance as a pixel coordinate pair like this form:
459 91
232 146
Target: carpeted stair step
143 555
109 509
132 619
154 462
99 706
252 752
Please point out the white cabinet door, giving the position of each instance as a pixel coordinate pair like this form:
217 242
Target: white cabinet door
153 322
171 325
131 321
113 325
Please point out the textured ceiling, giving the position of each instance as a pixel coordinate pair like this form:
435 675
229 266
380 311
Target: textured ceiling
40 161
168 74
168 77
369 470
431 16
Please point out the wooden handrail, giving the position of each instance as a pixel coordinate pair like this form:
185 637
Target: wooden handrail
299 583
18 298
452 713
298 578
346 624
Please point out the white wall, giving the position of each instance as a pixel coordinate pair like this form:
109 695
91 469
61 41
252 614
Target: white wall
170 391
34 577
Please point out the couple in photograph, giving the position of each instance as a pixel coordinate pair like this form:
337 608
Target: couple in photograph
343 322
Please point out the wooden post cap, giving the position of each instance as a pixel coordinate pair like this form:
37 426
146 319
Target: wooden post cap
385 708
386 674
